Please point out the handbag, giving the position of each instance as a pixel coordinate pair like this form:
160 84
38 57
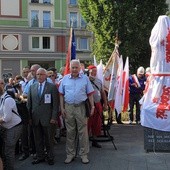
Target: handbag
87 107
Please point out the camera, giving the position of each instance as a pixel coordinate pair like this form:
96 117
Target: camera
86 72
17 85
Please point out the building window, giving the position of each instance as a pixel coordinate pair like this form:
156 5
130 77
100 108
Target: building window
83 23
84 44
34 1
46 42
73 19
46 19
35 42
47 1
34 19
42 43
73 2
10 8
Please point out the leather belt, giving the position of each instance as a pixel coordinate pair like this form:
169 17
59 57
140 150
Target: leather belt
77 105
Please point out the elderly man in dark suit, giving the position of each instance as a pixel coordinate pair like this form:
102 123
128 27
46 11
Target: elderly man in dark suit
43 105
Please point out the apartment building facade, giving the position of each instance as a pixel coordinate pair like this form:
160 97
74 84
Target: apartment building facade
37 31
84 38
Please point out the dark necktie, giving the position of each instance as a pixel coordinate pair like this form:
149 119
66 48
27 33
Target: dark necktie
39 90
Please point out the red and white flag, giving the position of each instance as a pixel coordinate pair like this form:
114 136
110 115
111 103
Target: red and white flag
108 72
135 79
119 89
125 83
71 52
113 79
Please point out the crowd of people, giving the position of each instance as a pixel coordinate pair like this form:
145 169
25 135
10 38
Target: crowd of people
38 102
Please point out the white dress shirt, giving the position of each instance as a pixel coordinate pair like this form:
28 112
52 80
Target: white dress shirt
9 118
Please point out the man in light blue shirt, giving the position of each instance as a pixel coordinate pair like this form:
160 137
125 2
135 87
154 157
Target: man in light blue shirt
74 89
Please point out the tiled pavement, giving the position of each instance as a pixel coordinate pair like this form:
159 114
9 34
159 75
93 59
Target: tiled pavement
130 154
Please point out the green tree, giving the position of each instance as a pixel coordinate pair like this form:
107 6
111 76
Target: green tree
131 20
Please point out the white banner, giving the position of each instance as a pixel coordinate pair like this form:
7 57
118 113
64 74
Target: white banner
155 110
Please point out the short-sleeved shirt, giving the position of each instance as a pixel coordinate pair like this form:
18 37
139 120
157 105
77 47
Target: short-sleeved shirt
75 90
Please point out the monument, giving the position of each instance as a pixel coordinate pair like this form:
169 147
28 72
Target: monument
155 109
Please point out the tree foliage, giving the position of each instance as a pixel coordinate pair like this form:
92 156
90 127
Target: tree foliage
131 20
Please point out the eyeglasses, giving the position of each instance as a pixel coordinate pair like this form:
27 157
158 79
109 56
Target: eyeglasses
40 74
74 67
51 76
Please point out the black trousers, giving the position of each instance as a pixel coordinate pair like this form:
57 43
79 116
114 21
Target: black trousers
118 117
43 139
23 112
134 100
2 136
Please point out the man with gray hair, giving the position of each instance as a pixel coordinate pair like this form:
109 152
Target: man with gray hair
43 106
74 89
136 86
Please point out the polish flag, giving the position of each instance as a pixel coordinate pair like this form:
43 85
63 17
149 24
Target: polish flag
125 84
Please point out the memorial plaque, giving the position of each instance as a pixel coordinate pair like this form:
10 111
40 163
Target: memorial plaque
155 140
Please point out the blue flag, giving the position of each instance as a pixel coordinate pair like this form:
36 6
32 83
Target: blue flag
73 46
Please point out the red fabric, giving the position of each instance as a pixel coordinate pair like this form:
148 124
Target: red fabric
91 67
90 93
95 121
68 57
126 91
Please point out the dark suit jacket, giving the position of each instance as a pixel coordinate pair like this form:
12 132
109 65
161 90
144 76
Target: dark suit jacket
39 110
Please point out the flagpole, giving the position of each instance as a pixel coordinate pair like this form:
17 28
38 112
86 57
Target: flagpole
71 52
68 56
114 64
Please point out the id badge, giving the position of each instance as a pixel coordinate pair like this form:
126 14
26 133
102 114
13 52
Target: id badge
47 98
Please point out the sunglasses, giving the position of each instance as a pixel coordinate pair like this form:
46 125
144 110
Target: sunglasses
51 76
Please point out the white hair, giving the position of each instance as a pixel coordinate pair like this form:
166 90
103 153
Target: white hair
42 69
74 61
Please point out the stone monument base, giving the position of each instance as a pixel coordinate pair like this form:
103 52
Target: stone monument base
155 140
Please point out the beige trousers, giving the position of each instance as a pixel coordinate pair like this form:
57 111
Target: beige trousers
76 125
